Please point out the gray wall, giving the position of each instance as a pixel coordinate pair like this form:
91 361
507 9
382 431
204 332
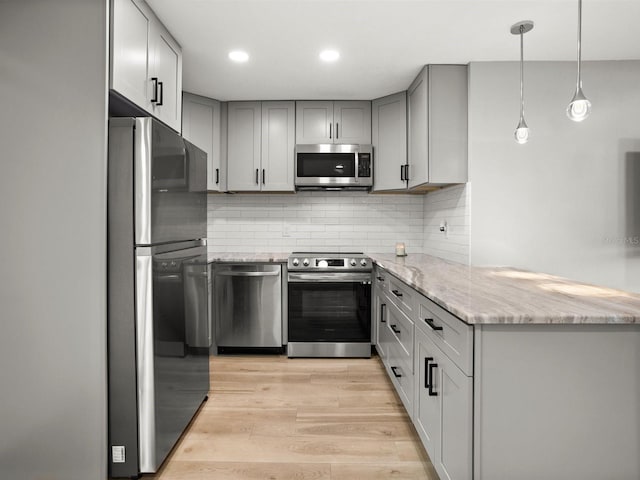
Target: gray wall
53 217
568 202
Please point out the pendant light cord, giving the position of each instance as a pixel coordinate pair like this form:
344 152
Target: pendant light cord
521 72
579 80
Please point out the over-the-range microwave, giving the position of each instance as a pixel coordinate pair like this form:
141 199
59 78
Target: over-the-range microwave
333 167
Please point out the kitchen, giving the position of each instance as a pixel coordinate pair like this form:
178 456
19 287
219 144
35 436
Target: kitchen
565 169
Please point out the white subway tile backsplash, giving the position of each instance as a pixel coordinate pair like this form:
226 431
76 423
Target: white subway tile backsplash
451 205
344 221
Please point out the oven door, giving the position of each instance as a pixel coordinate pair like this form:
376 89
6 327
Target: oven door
331 309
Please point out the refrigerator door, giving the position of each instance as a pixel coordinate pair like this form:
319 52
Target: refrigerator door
169 180
173 375
158 377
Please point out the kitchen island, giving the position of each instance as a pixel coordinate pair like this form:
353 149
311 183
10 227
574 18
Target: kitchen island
512 374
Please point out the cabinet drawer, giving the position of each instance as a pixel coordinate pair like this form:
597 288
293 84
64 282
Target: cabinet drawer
450 334
401 329
402 295
400 371
380 280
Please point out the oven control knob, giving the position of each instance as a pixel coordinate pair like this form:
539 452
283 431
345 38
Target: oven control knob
305 262
352 262
363 262
295 262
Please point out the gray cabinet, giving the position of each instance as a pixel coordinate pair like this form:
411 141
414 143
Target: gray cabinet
343 122
202 126
443 412
437 127
145 61
278 142
260 144
389 136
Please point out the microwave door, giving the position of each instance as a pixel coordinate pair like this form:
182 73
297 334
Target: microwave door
325 168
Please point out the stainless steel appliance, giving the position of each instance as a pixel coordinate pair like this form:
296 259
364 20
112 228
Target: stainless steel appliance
158 330
329 305
334 167
248 306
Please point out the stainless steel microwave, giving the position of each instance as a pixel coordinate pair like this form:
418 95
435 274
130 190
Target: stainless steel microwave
333 167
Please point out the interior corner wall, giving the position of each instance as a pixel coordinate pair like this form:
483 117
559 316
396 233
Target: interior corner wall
53 256
568 201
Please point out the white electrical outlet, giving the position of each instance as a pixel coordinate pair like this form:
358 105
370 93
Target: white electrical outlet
118 454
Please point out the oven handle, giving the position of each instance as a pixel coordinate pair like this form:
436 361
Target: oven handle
325 277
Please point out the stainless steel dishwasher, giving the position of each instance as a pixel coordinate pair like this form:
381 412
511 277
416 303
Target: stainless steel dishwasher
248 306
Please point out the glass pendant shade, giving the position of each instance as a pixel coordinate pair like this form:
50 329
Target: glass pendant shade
522 132
579 108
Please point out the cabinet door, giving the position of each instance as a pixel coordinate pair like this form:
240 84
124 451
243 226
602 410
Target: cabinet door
443 415
448 108
243 146
278 142
201 126
389 135
314 122
352 122
380 323
418 135
427 414
166 66
130 29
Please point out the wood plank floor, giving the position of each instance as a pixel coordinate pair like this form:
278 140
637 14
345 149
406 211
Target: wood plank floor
270 417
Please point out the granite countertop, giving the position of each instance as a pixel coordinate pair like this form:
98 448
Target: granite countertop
502 295
263 257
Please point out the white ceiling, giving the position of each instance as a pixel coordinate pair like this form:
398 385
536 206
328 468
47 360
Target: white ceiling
383 43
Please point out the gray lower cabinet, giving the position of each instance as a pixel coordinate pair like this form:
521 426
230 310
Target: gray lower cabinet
443 408
512 401
428 355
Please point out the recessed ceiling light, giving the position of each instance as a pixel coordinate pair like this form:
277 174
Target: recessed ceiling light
329 55
239 56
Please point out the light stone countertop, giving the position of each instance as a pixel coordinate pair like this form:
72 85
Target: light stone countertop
263 257
502 295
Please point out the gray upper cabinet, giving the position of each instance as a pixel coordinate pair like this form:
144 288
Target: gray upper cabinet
244 131
278 142
389 135
145 61
260 144
202 126
346 122
437 127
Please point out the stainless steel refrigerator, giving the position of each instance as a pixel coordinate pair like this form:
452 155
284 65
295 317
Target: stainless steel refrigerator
158 329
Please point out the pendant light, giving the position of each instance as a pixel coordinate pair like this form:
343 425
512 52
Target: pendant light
579 108
522 130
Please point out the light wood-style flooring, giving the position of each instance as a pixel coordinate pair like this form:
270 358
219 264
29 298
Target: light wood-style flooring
270 417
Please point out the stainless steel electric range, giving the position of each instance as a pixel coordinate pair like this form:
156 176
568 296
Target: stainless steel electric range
329 305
